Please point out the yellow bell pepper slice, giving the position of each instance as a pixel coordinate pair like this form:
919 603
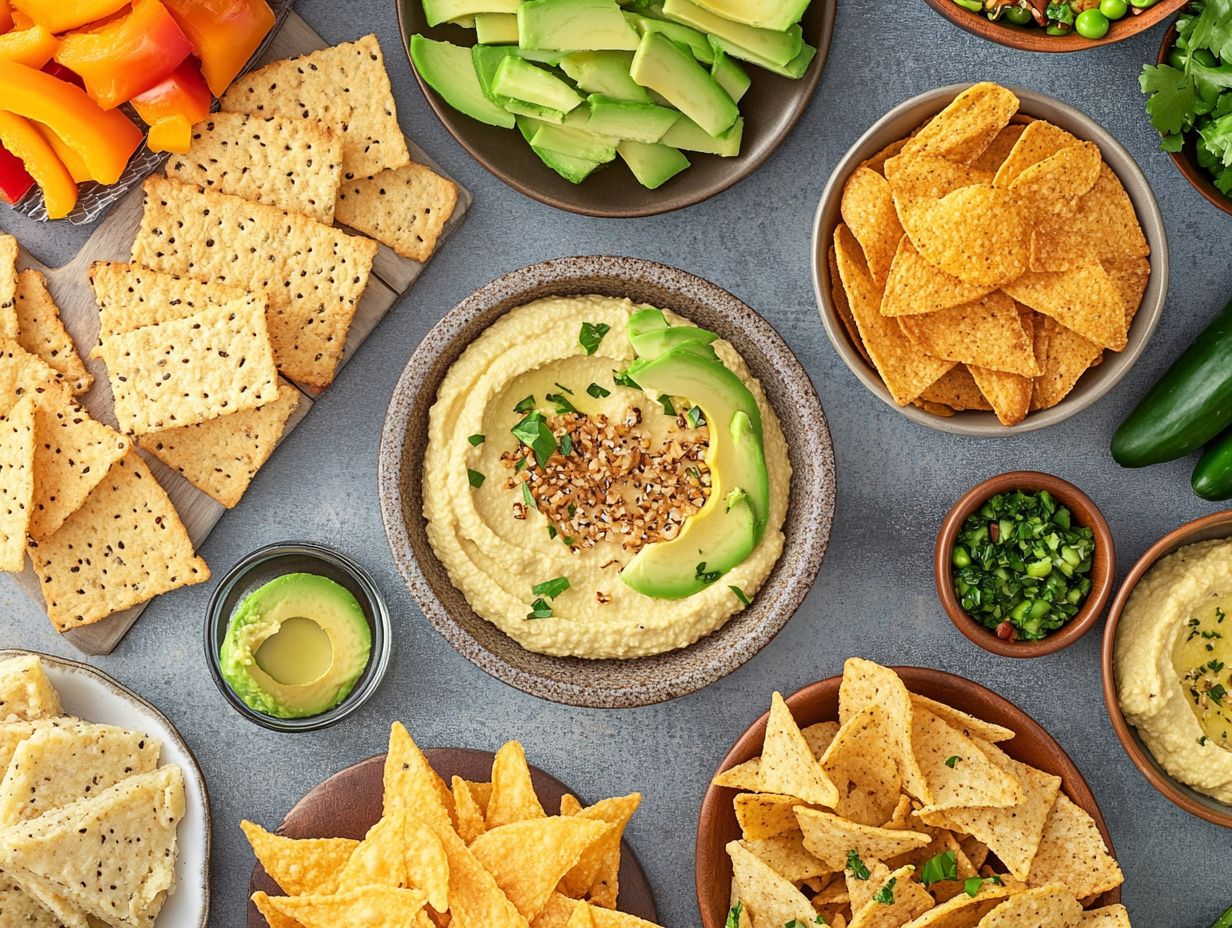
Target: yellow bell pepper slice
105 139
22 139
70 159
32 47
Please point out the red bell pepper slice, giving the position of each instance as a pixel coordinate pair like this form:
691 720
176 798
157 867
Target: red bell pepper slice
171 107
127 55
19 136
15 180
105 139
224 34
33 47
6 16
63 15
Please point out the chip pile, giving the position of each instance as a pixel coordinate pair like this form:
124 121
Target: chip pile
88 818
905 813
985 263
465 853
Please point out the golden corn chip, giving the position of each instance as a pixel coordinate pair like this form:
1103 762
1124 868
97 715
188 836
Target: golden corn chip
1104 228
967 724
1008 394
963 868
513 794
1051 906
865 773
906 370
958 772
819 736
788 766
482 792
1051 188
474 896
411 783
908 898
610 918
934 409
977 234
913 213
843 307
868 209
829 837
963 130
787 856
919 174
962 911
901 816
995 154
1110 916
1130 276
860 892
771 898
561 910
469 814
834 893
764 815
379 859
1037 141
1064 356
1072 852
300 866
596 875
914 286
865 684
877 162
370 906
1083 298
557 912
273 917
746 776
581 917
988 332
569 804
975 849
427 867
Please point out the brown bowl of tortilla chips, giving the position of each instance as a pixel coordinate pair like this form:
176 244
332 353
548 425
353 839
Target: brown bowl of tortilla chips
987 258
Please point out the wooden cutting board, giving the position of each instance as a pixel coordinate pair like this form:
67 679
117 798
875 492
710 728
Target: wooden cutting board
392 276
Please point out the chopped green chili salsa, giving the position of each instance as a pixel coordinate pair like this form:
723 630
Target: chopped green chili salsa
1021 567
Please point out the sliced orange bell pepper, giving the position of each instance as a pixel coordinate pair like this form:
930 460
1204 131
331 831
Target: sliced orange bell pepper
224 34
171 108
6 16
19 136
63 15
33 46
70 159
105 139
126 55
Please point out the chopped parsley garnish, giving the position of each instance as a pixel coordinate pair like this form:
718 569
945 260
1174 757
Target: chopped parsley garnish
972 884
525 405
539 609
563 406
551 588
566 443
518 467
706 576
551 532
571 509
597 391
740 594
476 439
668 408
952 761
533 432
733 916
942 867
563 389
475 478
694 417
592 333
622 379
1217 693
796 923
885 895
855 866
527 497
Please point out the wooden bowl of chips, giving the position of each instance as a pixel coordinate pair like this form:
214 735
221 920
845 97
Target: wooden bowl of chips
1035 370
1030 745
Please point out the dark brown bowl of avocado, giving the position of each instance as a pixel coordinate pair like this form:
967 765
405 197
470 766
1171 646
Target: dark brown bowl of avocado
297 637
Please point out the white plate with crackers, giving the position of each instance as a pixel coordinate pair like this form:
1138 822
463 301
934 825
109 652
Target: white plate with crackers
988 260
71 694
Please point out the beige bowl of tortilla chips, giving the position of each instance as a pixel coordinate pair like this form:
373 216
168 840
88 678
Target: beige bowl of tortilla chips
988 259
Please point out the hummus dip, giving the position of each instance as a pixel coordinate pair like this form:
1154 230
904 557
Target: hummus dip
1173 665
497 550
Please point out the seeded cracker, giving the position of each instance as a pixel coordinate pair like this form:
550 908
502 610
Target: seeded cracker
223 455
312 275
40 331
346 88
405 208
192 370
8 286
126 545
294 164
16 482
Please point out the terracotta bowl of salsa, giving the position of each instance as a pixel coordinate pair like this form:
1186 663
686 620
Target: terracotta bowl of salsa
1083 512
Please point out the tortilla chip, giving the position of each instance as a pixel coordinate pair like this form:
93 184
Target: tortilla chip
995 154
865 774
1083 299
843 307
1130 277
596 875
1037 141
474 896
967 126
788 766
877 162
1110 916
770 898
470 816
988 332
1072 852
1051 906
25 695
406 208
967 724
964 869
860 892
914 286
908 900
905 369
865 684
303 866
901 816
958 772
1008 394
829 837
379 859
786 855
919 175
581 917
963 911
1104 227
818 737
41 332
411 783
746 776
17 443
1064 356
273 917
957 390
372 906
868 209
764 815
933 409
1051 188
8 286
977 234
19 908
513 793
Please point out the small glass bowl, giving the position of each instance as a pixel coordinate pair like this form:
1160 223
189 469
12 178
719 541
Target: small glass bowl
273 561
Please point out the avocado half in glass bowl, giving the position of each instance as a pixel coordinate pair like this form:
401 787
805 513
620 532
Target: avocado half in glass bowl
297 637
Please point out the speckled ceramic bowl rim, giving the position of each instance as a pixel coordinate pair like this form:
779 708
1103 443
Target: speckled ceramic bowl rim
1216 525
676 673
897 124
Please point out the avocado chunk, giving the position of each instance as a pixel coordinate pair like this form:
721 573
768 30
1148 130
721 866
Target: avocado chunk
778 15
687 134
696 41
448 69
776 47
794 69
496 28
731 77
646 320
518 79
441 11
296 646
666 68
574 170
574 25
487 60
652 344
605 73
641 122
575 143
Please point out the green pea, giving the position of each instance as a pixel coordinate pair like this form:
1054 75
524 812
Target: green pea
1142 4
1057 30
975 6
1019 16
1091 24
1113 9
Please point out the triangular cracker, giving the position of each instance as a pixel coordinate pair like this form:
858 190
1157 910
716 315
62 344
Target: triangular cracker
41 332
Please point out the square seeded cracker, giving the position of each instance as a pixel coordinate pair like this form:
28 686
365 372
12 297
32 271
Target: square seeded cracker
41 332
191 370
126 545
223 455
346 87
294 164
406 208
8 286
16 482
313 275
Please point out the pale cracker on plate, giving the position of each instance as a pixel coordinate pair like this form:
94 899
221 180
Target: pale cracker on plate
25 694
406 208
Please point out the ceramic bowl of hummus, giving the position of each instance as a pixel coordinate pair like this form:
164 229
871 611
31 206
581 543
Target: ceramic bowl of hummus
586 473
1167 665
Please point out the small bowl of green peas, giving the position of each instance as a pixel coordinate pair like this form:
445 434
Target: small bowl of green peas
1024 564
1055 25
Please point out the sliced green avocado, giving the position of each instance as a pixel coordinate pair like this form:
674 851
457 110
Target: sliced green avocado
518 79
621 119
680 34
606 73
776 47
777 15
731 77
794 69
687 134
441 11
575 170
666 68
496 28
650 345
646 320
574 25
487 60
448 70
577 144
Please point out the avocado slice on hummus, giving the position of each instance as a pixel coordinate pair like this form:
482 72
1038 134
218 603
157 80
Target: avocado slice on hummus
296 646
